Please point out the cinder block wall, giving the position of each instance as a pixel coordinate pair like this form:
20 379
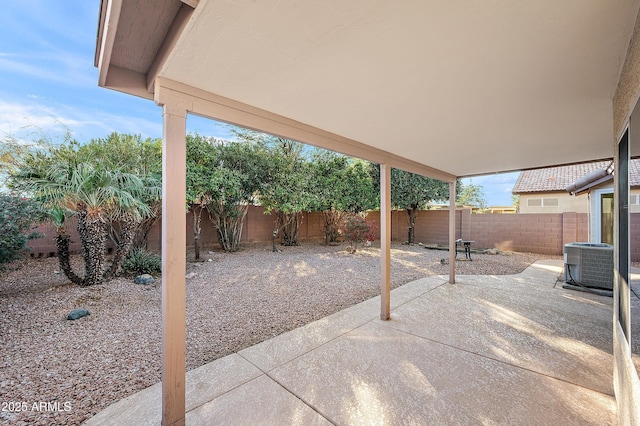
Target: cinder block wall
535 233
46 246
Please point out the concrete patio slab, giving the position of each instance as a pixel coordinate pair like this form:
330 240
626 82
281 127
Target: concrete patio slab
557 332
288 346
203 384
487 350
258 402
390 377
506 327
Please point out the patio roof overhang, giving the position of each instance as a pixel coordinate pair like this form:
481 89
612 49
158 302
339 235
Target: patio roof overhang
463 88
444 89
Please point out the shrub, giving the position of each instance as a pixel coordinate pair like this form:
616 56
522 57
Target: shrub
139 261
18 217
357 230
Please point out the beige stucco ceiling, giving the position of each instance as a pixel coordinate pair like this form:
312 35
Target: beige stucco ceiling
467 87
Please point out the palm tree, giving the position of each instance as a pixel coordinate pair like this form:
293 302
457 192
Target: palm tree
97 197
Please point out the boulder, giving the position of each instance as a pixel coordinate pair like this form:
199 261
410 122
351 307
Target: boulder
77 314
144 279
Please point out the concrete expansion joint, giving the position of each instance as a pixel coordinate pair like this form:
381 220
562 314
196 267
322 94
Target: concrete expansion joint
299 398
266 372
388 324
417 297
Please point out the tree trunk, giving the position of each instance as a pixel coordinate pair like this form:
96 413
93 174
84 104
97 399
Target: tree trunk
332 219
228 221
93 233
274 236
62 243
412 213
278 224
290 225
128 228
197 214
143 228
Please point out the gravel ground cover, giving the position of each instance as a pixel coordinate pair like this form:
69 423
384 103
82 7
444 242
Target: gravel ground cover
55 371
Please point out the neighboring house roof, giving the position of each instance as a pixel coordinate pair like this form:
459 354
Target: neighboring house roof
557 179
554 179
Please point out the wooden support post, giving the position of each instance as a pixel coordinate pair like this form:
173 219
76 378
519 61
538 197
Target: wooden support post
452 232
385 241
173 265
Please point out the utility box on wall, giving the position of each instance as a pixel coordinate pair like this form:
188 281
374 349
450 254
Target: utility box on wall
589 265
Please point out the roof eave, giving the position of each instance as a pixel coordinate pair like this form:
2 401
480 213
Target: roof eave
121 78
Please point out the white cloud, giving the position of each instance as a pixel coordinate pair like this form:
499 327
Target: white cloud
66 68
20 118
34 119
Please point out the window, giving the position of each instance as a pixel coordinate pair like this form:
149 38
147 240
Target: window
542 202
634 199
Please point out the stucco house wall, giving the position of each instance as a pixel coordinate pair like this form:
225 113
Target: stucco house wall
552 202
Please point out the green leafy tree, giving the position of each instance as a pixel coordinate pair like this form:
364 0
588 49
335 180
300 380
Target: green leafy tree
412 192
472 195
125 152
286 188
286 191
515 199
18 217
341 185
68 186
238 173
201 157
223 178
135 155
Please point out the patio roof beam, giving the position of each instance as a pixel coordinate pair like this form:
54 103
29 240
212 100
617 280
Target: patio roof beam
227 110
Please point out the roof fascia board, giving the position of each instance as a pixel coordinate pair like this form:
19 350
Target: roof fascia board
216 107
109 25
192 3
127 81
99 34
171 39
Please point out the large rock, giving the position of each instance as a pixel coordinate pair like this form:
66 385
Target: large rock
144 279
77 314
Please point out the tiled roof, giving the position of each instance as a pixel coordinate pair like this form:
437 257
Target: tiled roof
553 179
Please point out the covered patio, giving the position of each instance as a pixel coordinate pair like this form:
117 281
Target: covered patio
442 89
513 349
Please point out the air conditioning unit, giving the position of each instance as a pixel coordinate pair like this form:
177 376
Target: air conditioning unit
589 265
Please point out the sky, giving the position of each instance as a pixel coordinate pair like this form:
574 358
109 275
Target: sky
49 85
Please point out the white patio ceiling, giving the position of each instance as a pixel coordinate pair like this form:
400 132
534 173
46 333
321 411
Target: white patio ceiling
466 87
